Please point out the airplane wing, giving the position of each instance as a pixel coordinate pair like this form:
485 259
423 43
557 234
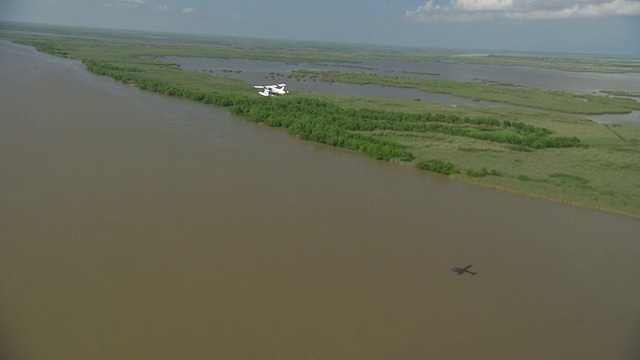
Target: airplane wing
463 270
275 86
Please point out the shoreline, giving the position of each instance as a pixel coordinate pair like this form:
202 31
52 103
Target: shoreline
469 180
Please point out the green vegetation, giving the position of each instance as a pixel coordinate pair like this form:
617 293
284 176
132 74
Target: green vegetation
571 180
482 172
544 153
438 166
320 121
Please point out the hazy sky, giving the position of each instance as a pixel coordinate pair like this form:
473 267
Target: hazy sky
585 26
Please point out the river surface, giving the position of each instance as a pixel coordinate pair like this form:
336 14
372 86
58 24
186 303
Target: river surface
139 226
268 72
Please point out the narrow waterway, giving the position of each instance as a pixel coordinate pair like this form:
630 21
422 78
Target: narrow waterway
138 226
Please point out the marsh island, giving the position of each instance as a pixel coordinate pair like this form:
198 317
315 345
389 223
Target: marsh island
531 140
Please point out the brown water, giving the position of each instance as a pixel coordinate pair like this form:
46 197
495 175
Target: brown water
137 226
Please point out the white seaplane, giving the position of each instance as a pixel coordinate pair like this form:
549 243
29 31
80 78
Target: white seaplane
272 90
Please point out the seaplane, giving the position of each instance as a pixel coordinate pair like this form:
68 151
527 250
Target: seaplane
272 90
463 270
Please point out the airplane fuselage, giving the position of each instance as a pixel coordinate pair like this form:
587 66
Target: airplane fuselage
272 90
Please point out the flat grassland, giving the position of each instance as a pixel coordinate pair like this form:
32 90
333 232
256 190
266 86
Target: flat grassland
549 152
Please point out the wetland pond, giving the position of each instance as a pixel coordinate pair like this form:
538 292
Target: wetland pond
139 226
262 72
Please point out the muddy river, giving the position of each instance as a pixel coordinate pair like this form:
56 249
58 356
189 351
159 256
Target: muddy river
138 226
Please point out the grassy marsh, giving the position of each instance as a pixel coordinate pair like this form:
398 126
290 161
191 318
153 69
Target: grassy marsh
600 170
561 101
600 64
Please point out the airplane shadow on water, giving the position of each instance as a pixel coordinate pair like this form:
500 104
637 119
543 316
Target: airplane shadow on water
462 271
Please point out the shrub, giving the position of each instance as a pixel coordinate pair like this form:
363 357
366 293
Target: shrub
482 172
438 166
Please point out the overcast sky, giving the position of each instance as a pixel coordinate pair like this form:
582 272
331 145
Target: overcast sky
583 26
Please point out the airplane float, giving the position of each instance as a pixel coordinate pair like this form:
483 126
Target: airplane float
272 90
